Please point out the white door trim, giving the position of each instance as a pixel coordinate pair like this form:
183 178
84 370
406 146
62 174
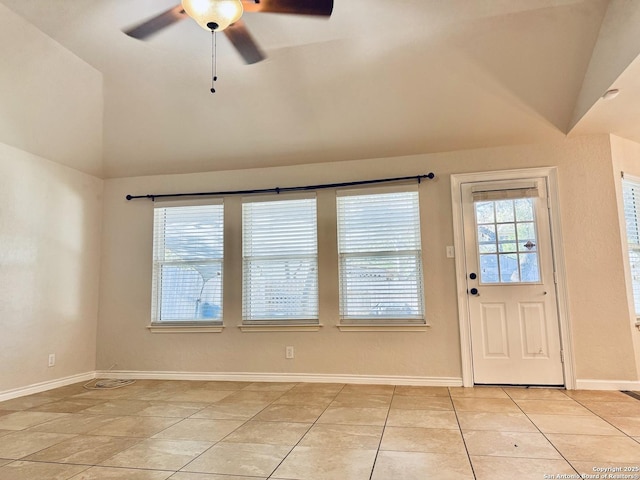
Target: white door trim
551 176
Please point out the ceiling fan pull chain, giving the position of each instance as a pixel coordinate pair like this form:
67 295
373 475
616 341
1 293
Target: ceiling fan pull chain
214 63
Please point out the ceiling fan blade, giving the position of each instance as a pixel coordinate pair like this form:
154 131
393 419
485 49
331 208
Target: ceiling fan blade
295 7
240 37
157 23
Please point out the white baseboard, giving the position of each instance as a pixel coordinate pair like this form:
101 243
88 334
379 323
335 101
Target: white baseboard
624 385
285 377
44 386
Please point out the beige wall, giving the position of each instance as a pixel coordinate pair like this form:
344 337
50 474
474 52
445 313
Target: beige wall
50 215
626 158
50 221
597 299
50 100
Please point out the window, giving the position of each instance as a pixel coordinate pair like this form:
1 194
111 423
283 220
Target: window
280 261
507 240
380 257
187 264
631 199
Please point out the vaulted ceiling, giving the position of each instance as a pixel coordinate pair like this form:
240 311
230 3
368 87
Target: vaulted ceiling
380 78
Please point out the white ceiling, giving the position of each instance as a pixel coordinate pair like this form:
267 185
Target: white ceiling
380 78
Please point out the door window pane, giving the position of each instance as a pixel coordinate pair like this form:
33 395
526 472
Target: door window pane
509 268
487 248
504 211
524 209
507 227
484 212
489 269
507 237
529 267
526 236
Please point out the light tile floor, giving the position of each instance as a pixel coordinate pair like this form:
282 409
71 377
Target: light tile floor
156 430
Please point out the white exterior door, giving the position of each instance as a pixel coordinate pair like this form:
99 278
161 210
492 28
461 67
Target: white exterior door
511 294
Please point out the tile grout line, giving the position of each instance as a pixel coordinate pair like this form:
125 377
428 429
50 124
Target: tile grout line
543 434
140 439
384 427
234 430
464 441
302 437
38 451
22 459
207 404
604 419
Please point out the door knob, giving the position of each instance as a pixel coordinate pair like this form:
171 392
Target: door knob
473 291
473 276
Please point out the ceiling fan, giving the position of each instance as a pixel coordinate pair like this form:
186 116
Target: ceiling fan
225 16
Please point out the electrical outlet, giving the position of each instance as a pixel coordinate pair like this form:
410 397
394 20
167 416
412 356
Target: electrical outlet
52 359
288 353
451 253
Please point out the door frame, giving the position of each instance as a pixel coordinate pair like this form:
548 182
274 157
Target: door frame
550 174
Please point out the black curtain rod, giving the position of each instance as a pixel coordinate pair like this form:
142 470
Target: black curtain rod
152 197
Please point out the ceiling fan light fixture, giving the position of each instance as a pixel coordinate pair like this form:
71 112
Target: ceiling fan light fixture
213 14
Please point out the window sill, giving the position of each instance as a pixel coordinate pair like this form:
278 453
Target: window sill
185 328
383 327
280 328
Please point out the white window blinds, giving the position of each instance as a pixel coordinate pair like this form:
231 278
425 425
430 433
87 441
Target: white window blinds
187 264
280 261
380 257
631 199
